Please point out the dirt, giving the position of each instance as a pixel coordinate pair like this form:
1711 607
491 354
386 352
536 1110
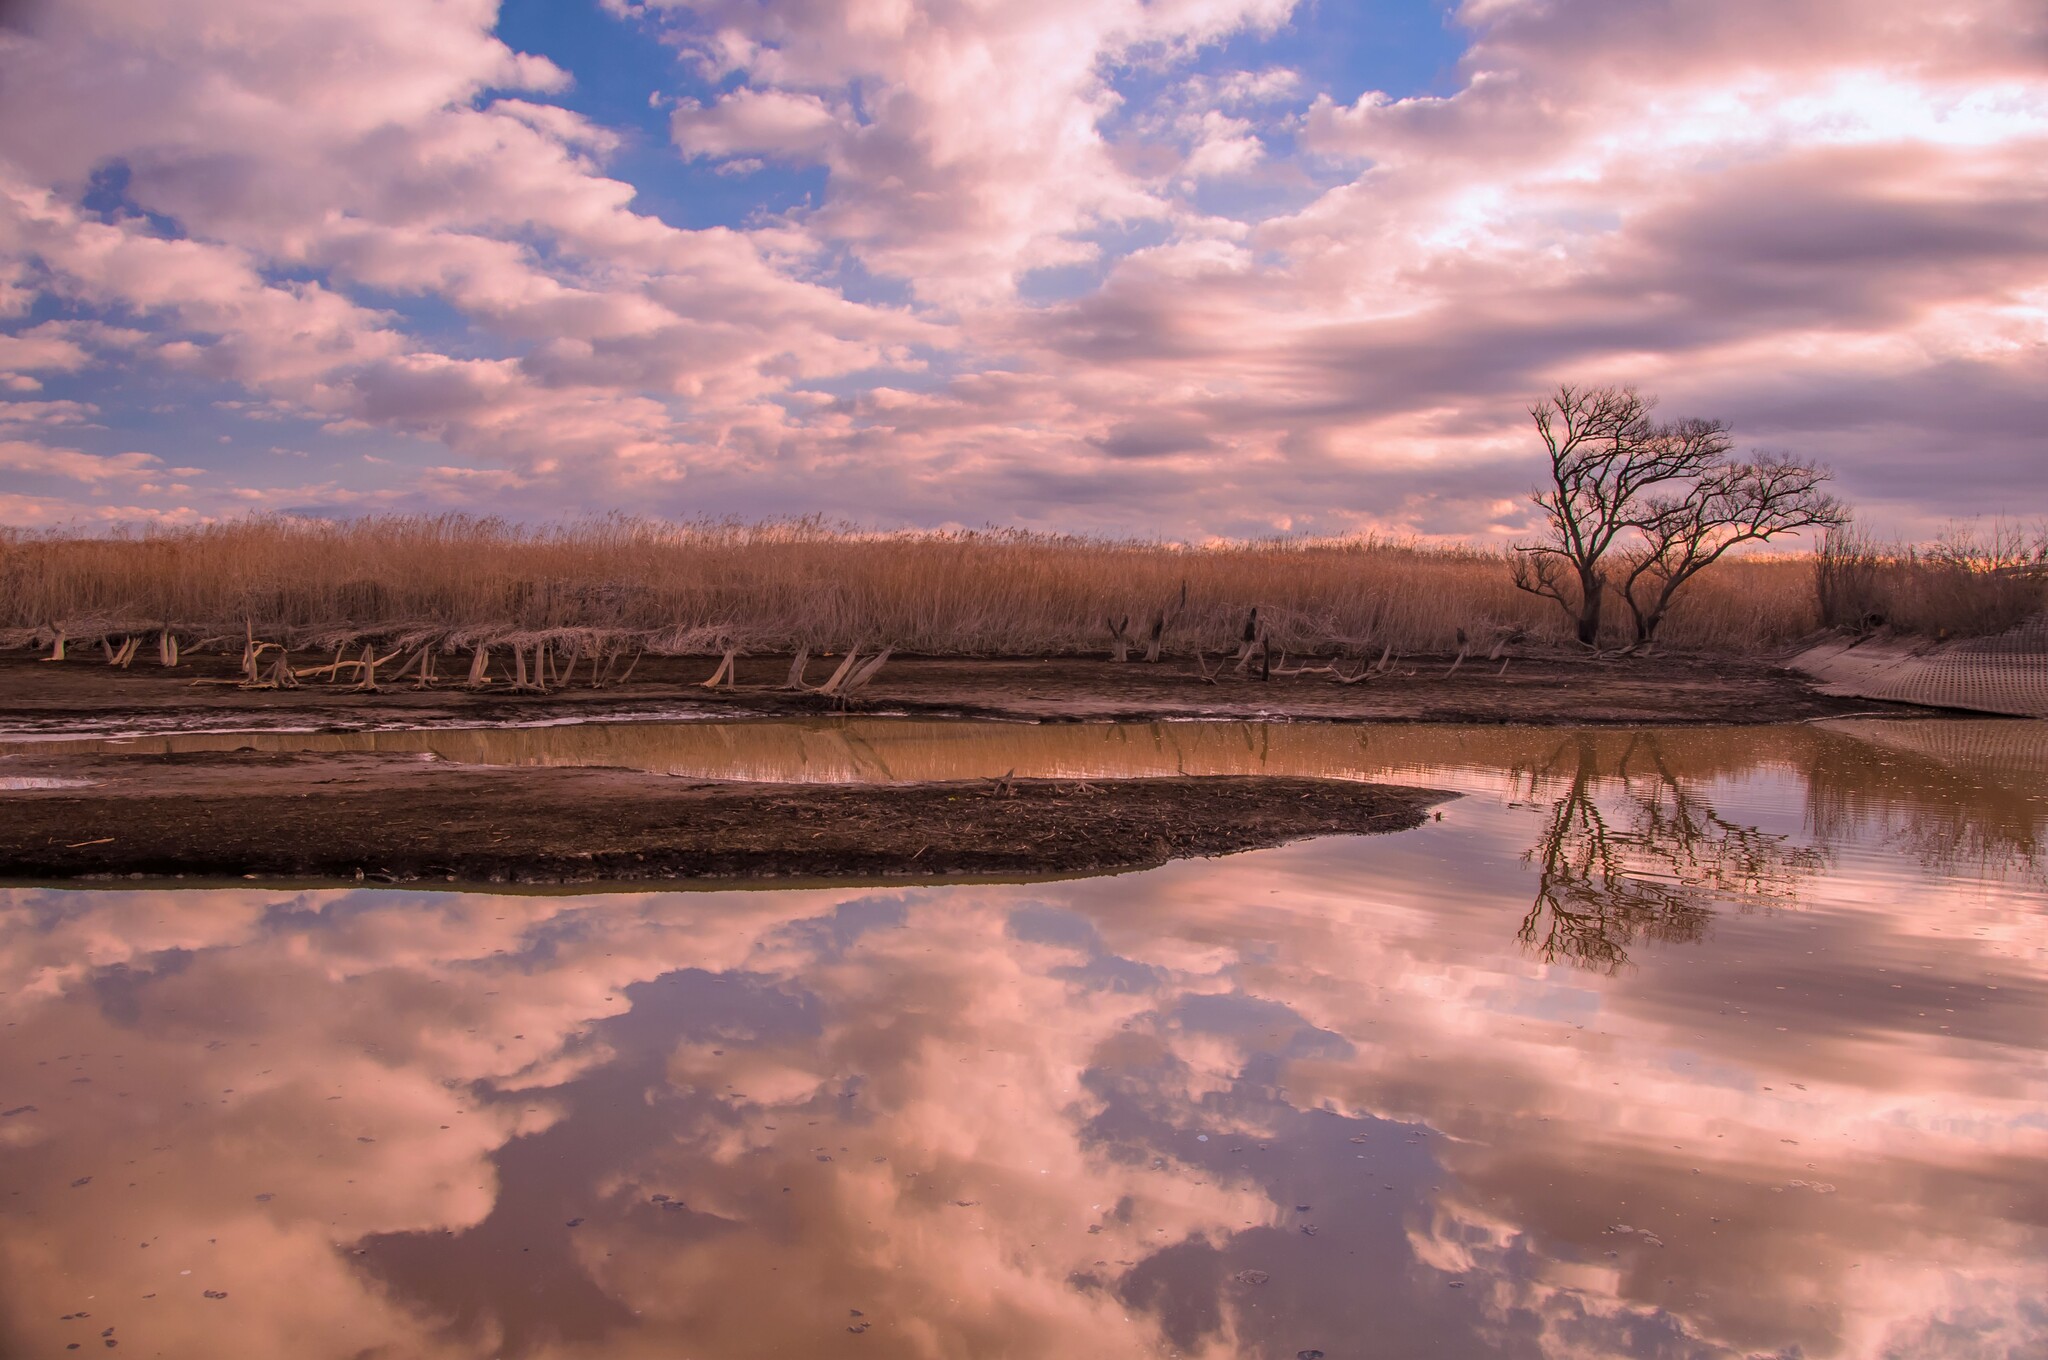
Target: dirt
1521 688
390 819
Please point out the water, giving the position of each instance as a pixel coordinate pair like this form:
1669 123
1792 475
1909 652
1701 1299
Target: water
1715 1043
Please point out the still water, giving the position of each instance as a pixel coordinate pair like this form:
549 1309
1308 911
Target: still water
1671 1043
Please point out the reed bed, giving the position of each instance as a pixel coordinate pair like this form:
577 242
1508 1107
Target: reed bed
1965 584
706 587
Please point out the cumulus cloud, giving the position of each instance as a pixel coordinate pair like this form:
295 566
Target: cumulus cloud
1823 221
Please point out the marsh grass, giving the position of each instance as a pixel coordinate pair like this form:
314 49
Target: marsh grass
1965 584
700 588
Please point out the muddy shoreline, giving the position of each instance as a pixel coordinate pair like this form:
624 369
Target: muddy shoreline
283 815
391 820
85 693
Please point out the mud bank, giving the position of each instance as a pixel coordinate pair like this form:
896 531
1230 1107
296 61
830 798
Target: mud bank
389 819
85 693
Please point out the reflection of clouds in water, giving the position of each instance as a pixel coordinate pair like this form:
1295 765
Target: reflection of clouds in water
1176 1059
1684 1066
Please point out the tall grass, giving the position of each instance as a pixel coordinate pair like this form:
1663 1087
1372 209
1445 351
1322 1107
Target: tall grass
1965 584
775 586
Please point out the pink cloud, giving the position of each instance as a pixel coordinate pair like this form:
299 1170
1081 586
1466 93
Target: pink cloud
17 455
1822 222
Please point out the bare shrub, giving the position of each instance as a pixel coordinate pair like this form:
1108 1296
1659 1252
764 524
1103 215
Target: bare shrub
1966 583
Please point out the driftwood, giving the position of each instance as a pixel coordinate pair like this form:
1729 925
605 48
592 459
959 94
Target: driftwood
521 682
1261 647
860 678
722 677
796 668
280 675
367 684
839 676
167 649
1251 636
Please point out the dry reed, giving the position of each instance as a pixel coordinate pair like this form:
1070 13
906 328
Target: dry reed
701 588
1965 584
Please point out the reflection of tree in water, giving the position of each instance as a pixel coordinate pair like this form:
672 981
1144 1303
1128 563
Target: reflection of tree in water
1630 851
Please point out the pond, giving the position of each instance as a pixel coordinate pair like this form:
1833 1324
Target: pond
1715 1042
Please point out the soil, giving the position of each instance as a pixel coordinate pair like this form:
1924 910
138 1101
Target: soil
391 819
84 692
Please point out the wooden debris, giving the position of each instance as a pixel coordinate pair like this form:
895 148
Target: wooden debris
1251 636
839 676
280 675
367 684
796 668
519 681
1119 638
57 648
859 679
167 649
723 676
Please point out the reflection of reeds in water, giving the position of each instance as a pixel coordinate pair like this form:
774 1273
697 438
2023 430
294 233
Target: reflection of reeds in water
1963 796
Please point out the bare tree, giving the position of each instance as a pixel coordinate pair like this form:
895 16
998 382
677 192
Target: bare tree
1666 500
1605 455
1729 504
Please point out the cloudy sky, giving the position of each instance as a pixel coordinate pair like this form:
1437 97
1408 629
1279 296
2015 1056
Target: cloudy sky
1157 266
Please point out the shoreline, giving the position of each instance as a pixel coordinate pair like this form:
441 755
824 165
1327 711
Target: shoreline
242 814
1540 688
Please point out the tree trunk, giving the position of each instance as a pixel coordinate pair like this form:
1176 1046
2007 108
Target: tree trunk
1592 590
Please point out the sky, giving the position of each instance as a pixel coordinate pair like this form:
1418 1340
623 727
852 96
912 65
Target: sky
1174 268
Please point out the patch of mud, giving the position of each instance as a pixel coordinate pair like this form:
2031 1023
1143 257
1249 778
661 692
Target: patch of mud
391 819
